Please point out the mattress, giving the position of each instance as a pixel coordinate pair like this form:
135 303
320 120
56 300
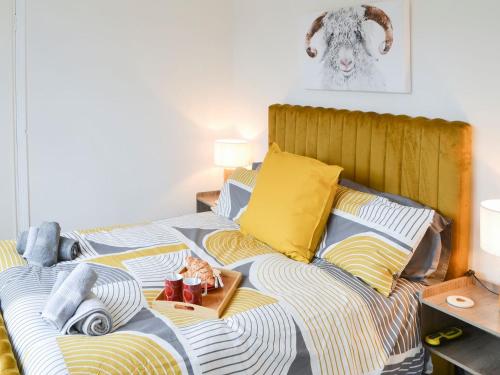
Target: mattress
286 317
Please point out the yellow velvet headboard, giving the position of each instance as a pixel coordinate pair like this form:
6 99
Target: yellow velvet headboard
426 160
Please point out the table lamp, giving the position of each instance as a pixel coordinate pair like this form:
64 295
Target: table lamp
490 227
231 154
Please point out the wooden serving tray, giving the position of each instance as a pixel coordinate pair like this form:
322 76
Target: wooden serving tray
213 304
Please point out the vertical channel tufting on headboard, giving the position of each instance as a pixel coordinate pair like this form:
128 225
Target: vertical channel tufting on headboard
426 160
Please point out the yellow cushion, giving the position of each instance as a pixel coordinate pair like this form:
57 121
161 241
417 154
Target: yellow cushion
290 203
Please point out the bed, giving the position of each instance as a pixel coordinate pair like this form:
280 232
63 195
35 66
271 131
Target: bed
286 317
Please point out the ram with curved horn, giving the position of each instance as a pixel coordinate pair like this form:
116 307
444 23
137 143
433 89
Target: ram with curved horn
348 62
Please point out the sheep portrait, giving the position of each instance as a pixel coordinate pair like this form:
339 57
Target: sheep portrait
348 61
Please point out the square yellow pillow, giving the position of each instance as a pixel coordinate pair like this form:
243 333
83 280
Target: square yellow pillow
290 203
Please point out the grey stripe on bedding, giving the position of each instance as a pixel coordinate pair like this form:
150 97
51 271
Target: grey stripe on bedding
389 313
413 364
265 332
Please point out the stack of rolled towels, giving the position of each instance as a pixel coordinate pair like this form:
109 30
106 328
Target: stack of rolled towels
43 246
72 308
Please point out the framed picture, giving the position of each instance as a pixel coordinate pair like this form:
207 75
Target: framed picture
359 48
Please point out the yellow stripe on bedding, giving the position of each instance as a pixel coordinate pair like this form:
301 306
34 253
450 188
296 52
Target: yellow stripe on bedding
230 246
150 295
245 176
336 322
114 354
9 257
247 299
351 201
372 259
110 228
116 260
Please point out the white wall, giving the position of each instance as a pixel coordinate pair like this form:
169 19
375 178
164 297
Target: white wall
125 99
455 60
7 190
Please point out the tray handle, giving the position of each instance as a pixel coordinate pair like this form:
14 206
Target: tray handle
183 307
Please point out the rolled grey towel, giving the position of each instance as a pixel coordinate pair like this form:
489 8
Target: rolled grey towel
30 242
22 240
61 276
61 305
44 252
91 318
68 249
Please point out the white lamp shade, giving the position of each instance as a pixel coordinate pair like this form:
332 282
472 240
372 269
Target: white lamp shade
490 226
231 153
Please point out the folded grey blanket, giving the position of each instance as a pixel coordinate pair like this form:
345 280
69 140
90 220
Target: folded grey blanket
44 252
92 318
68 249
63 303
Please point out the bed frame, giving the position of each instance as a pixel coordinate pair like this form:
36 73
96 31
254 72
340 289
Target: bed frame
426 160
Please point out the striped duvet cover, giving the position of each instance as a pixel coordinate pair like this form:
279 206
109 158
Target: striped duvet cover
286 318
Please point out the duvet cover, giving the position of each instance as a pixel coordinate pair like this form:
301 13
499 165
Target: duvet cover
286 317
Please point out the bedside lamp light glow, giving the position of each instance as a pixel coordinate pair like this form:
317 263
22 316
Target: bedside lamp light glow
231 154
490 226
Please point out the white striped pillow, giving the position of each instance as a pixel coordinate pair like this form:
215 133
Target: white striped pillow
235 193
372 237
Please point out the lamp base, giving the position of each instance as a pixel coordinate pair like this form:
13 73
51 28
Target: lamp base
228 172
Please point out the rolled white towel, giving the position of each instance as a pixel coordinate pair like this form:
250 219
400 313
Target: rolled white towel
30 242
92 318
44 251
22 240
63 303
61 276
68 249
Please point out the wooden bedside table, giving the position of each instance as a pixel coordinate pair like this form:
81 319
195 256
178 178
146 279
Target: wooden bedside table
205 201
478 350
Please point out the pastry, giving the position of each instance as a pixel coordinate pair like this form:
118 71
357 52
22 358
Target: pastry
198 267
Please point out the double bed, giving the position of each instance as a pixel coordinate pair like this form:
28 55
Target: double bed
286 317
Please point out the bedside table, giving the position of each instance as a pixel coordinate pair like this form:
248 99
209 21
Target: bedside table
477 351
206 200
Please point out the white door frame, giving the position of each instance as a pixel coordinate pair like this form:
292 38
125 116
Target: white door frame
21 118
